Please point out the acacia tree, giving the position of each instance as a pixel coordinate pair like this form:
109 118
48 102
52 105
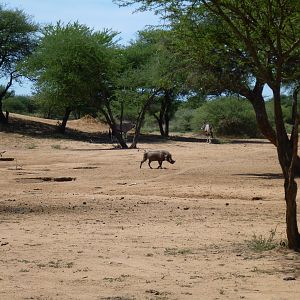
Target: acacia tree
71 64
264 37
147 83
18 38
160 43
140 81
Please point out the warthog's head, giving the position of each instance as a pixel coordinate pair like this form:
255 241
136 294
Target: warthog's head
170 160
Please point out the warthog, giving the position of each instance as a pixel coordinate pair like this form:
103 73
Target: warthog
159 155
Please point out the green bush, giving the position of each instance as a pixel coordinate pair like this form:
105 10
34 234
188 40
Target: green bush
20 104
229 116
182 120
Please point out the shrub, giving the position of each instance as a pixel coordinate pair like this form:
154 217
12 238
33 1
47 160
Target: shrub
228 115
182 120
20 104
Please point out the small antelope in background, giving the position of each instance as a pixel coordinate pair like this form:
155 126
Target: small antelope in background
208 129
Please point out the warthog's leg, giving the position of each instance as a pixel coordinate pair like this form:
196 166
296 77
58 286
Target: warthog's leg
142 162
159 164
149 163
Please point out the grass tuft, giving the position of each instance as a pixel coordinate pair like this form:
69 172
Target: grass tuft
259 243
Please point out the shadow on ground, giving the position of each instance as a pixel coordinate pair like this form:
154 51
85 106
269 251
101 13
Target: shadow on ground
262 175
42 130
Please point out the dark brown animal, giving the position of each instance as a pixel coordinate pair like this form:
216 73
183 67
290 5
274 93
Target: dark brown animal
159 155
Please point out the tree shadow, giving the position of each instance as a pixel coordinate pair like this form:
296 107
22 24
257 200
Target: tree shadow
250 141
262 175
43 131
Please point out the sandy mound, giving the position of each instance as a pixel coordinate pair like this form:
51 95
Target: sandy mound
88 124
85 124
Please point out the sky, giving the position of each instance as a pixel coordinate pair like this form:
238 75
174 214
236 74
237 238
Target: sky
97 14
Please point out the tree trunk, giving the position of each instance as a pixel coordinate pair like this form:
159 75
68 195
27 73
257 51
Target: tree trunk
287 150
140 119
138 127
167 120
3 118
62 127
164 118
258 103
112 124
160 124
292 232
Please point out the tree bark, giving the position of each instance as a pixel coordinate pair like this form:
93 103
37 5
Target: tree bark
258 103
163 119
287 150
62 127
292 231
140 119
160 124
3 118
112 124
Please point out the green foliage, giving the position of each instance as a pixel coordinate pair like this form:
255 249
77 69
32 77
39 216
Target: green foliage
72 64
20 104
229 116
182 120
18 38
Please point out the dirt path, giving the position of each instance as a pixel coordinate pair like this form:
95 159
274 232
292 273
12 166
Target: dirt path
114 231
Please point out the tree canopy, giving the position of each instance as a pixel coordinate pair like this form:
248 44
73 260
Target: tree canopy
18 38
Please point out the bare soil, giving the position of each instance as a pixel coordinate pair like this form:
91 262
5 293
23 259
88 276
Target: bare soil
80 220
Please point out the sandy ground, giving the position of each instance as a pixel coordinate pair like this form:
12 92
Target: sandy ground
118 232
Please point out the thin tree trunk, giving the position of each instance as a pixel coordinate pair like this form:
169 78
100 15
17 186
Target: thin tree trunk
112 124
140 119
3 118
160 124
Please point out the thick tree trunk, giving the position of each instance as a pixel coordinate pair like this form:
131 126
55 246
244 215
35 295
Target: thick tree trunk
257 100
292 231
287 150
62 127
3 118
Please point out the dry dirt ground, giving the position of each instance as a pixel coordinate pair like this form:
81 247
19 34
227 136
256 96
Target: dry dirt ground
115 231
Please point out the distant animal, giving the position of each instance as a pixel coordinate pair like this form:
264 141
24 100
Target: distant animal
158 155
208 130
1 153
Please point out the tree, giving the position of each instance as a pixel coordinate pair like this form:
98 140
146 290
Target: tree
265 35
18 38
148 80
71 65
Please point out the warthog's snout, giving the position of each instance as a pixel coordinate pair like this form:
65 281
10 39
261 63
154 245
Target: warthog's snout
159 156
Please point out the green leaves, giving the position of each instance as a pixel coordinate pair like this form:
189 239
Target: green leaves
73 63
